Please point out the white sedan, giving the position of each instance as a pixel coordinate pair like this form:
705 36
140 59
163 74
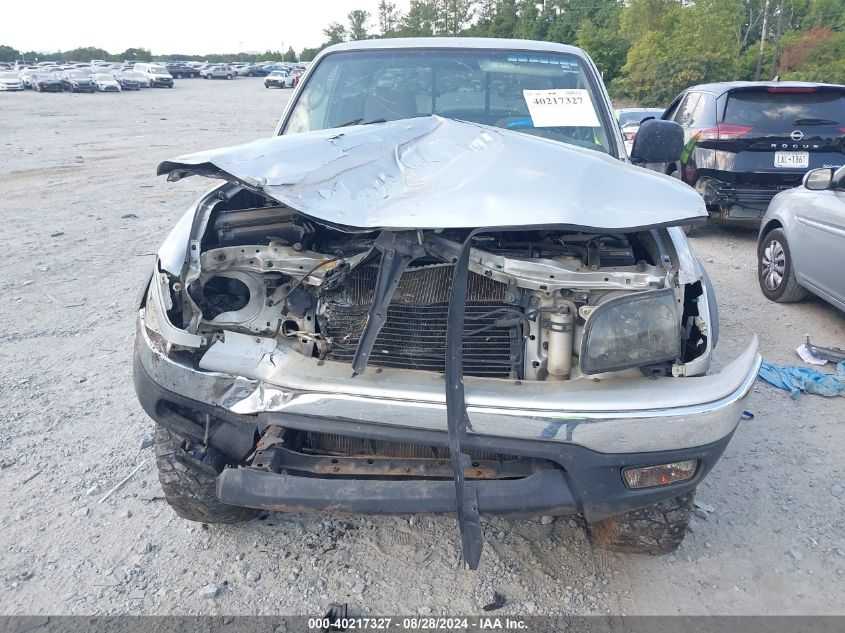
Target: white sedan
105 82
9 81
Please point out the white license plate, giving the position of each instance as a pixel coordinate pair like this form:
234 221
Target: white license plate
792 159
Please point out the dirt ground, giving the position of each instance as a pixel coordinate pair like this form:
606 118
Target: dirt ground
82 213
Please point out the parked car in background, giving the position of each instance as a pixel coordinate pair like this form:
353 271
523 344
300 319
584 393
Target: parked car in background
141 78
126 80
316 332
46 82
257 70
25 75
78 81
217 71
9 81
156 73
181 70
279 79
747 141
105 82
801 245
630 119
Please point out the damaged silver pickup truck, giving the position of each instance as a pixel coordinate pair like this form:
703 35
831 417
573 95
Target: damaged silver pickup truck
440 287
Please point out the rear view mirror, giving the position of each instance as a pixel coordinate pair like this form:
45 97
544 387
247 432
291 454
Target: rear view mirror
658 142
818 179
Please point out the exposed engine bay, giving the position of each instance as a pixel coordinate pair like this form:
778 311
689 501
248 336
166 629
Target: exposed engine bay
380 298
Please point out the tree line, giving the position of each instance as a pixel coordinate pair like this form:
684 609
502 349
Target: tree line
647 50
86 54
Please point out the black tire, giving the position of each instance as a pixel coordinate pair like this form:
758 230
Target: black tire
655 530
189 487
775 272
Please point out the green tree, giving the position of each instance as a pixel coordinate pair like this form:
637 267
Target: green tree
676 45
505 19
826 13
485 13
309 54
607 49
358 20
420 19
9 54
527 20
290 55
389 18
87 54
456 16
816 55
141 54
335 33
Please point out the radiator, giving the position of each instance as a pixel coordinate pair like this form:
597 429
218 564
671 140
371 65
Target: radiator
414 336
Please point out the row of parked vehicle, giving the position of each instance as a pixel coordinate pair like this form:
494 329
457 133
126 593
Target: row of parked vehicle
50 77
768 154
102 76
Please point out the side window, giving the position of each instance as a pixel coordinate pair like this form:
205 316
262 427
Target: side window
669 114
698 114
686 109
705 111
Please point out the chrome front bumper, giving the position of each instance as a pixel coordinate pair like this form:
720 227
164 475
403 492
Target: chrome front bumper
628 415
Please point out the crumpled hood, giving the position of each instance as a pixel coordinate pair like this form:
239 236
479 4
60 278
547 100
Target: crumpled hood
431 172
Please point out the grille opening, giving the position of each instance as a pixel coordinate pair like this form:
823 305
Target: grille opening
331 444
414 335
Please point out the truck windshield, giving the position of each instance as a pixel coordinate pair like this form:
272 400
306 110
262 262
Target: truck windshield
544 94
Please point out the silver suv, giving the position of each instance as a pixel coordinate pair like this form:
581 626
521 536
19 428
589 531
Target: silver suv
432 291
217 71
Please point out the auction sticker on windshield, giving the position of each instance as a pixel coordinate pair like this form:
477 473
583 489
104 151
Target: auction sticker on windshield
561 108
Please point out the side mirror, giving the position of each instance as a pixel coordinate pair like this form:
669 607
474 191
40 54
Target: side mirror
658 142
818 179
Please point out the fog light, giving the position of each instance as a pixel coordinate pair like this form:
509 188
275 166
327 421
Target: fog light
660 475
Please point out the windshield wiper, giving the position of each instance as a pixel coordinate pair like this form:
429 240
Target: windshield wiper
814 121
361 122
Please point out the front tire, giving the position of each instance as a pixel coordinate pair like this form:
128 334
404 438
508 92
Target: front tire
190 486
775 271
655 530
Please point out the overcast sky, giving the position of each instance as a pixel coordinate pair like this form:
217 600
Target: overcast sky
176 26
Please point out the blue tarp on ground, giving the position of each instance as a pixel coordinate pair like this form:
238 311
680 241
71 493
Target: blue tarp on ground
796 380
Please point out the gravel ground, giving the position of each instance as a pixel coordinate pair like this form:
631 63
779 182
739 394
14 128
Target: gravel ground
82 212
